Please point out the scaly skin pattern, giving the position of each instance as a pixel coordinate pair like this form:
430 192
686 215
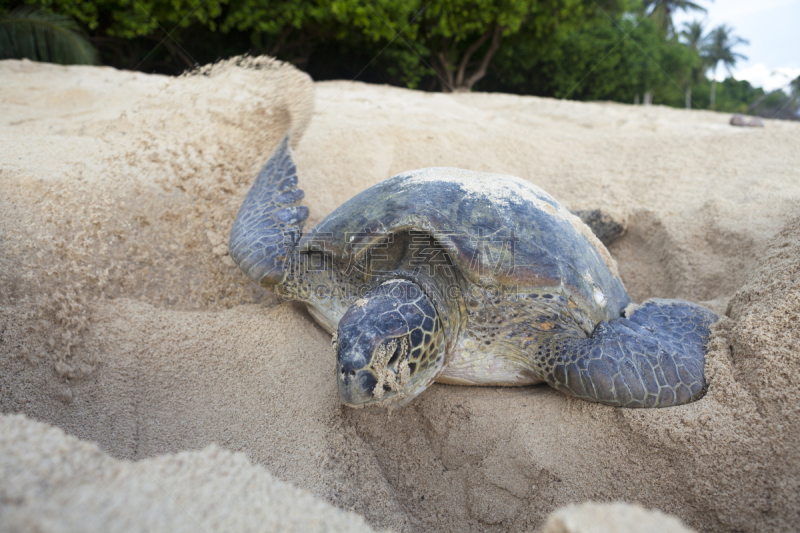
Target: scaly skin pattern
392 347
653 358
269 222
556 317
502 333
496 230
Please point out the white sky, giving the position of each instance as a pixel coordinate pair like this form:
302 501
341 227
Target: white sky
771 26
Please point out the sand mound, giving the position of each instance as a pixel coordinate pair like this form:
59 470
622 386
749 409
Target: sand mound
125 323
54 482
611 518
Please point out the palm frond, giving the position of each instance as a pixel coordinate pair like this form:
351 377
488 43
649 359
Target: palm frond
663 10
719 47
41 35
692 34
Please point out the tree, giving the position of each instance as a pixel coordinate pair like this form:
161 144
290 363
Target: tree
130 19
693 37
294 29
719 47
777 104
662 10
130 32
41 35
596 58
462 36
451 43
456 39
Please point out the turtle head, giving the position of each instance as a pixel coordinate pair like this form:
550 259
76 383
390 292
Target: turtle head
389 346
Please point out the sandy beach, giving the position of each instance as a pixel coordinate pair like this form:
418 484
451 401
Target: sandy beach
125 324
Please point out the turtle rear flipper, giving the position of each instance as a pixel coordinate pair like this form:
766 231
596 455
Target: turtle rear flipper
607 228
269 222
653 358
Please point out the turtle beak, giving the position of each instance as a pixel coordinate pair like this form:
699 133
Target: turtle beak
360 331
355 380
355 385
373 345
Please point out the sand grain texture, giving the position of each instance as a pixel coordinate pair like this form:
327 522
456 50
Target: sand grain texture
124 322
611 518
54 482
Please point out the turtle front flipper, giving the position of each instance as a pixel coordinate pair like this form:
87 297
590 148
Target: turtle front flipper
653 358
269 223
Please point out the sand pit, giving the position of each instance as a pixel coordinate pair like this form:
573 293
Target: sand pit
125 323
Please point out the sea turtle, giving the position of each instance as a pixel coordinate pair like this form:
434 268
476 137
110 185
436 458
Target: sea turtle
466 278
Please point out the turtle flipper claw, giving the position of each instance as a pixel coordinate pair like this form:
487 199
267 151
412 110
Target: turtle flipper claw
653 358
269 223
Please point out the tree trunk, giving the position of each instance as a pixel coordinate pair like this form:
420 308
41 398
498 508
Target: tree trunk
279 42
443 70
460 80
462 67
179 51
713 93
444 73
689 96
480 72
713 88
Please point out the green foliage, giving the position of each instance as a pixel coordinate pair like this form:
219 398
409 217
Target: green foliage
41 35
731 95
779 104
719 48
296 27
452 32
135 18
450 42
602 59
662 10
582 49
693 34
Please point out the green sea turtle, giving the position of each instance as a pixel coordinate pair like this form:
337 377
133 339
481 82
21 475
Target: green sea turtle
466 278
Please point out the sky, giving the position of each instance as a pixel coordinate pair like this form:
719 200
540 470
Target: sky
771 26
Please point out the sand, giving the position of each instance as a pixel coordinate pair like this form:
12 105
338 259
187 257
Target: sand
124 323
611 518
57 483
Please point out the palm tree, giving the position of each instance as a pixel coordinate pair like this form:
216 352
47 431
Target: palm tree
41 35
662 11
693 37
719 47
795 87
